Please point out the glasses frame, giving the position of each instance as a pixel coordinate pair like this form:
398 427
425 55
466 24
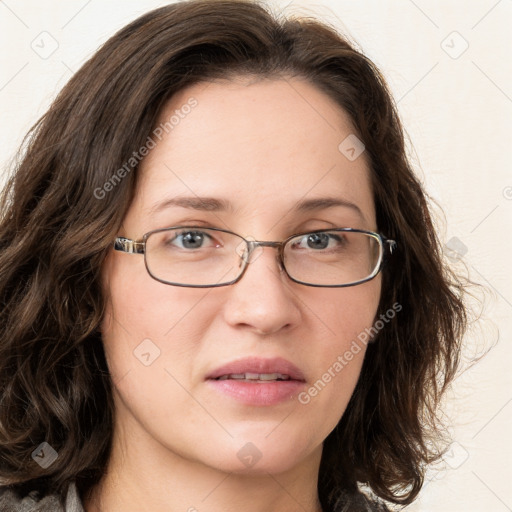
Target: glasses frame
129 246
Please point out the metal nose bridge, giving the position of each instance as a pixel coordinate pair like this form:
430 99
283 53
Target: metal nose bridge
254 244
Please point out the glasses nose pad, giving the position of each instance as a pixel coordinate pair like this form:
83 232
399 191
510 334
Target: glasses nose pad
248 256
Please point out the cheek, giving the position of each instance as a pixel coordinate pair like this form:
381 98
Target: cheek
345 317
347 312
146 321
150 345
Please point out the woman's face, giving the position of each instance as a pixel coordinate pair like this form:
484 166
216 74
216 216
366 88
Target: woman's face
261 148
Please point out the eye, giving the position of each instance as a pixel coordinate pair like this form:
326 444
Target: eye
318 241
192 240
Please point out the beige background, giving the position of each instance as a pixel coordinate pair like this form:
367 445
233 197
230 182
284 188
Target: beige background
449 67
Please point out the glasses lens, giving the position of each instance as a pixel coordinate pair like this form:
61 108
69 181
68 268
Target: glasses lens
334 257
194 256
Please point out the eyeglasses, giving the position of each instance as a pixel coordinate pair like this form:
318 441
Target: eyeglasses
199 257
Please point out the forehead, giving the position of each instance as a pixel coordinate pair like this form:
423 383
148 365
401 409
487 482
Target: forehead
258 144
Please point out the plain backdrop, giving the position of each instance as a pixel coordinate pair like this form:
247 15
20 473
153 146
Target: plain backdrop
449 68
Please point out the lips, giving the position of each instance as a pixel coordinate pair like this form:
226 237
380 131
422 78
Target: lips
254 368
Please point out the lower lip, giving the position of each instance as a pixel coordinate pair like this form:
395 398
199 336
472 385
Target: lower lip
258 393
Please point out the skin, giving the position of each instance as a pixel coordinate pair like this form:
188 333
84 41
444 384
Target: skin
264 145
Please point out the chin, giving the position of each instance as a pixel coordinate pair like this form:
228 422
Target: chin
273 464
259 456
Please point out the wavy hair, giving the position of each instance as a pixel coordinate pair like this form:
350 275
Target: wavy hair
55 233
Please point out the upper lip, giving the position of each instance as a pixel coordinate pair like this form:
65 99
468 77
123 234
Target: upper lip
258 365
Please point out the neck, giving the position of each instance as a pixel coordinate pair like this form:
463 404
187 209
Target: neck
142 474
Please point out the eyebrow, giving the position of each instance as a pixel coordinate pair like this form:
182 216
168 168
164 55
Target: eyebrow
212 204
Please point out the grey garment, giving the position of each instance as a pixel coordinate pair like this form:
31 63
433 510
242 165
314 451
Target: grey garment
11 501
357 503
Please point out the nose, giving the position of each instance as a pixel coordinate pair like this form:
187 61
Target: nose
264 299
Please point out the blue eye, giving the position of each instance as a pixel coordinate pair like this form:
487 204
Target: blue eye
190 239
318 241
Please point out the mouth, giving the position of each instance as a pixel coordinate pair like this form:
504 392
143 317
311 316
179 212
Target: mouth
257 382
255 377
258 369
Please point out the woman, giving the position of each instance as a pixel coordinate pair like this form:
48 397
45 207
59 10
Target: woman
220 282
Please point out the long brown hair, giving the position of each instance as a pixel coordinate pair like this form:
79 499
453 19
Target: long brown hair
55 232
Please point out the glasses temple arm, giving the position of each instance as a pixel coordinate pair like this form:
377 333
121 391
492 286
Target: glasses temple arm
129 246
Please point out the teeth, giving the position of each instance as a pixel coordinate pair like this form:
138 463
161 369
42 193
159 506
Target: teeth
255 376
